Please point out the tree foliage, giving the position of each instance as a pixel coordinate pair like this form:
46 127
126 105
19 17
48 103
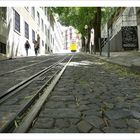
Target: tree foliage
106 14
78 17
81 16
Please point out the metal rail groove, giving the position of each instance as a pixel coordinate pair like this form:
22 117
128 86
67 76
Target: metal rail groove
34 111
27 66
10 126
24 83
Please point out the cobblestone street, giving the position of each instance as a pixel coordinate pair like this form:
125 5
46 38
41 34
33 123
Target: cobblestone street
70 67
92 96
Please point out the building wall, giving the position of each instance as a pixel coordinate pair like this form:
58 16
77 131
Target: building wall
58 38
3 33
127 18
104 31
71 35
15 40
138 25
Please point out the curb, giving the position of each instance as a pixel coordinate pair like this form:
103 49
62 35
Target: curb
133 68
6 59
9 58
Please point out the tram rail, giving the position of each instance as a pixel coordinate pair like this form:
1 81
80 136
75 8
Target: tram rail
23 74
26 66
9 120
24 83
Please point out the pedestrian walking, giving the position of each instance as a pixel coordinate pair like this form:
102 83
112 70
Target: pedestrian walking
38 39
27 46
36 47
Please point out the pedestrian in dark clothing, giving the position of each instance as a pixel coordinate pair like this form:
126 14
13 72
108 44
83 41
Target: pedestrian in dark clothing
27 46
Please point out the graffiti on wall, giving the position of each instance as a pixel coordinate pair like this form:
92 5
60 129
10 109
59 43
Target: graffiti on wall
129 37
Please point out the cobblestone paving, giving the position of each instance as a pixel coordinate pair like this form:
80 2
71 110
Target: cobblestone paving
11 79
94 98
12 64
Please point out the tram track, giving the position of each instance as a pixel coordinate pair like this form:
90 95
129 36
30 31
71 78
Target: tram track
21 74
24 83
26 66
30 89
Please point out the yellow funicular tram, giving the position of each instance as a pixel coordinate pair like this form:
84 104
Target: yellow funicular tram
73 47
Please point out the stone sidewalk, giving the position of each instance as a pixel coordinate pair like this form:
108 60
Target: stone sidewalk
3 57
130 59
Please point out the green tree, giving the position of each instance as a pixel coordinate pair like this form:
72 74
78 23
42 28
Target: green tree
78 17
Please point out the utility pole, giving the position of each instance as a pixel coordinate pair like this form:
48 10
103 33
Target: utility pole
108 49
108 38
86 41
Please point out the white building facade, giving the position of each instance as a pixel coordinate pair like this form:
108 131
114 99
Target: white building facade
58 37
126 18
70 35
122 31
25 23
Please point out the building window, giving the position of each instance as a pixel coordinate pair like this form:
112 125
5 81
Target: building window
46 30
27 8
17 22
53 41
33 36
48 15
48 34
38 18
42 43
33 12
2 48
3 12
26 30
70 30
51 38
45 11
42 25
46 48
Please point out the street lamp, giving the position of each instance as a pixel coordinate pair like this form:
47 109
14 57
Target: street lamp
103 9
108 51
92 41
86 27
108 41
